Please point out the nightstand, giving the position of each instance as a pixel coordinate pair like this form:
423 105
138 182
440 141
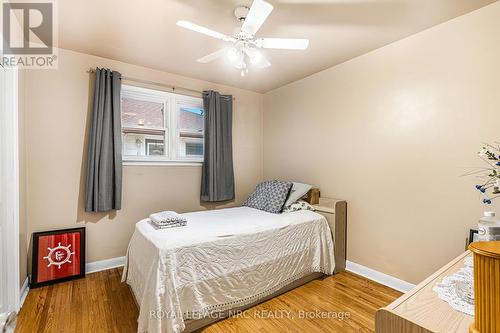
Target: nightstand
421 310
335 212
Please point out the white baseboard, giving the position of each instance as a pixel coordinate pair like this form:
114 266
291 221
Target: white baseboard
24 291
386 280
102 265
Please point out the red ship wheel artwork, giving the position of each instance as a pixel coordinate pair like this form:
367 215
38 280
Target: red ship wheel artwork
58 255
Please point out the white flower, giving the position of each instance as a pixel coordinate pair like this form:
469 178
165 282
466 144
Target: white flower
483 152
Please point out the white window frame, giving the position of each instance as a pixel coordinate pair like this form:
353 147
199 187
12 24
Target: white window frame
9 191
180 101
171 106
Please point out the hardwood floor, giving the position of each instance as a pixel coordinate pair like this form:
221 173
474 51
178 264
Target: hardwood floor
101 303
98 303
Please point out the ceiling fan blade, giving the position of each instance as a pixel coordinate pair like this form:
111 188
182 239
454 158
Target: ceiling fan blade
258 13
283 43
212 56
203 30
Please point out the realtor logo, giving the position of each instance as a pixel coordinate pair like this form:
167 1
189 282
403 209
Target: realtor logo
28 31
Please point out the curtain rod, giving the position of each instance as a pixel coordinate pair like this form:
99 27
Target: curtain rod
168 86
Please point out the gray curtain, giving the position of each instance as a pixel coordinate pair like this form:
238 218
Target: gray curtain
104 160
217 178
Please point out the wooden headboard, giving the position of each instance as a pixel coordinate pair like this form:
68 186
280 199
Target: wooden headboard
312 196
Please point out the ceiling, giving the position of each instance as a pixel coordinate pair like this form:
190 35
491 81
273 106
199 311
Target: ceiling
144 33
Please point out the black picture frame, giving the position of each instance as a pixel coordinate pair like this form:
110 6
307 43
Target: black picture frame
34 258
472 232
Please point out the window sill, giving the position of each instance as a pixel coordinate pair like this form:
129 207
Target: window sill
161 163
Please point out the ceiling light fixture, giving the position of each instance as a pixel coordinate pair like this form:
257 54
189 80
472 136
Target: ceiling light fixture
233 55
245 50
243 55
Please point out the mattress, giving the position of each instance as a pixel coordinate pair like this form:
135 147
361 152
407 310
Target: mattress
221 260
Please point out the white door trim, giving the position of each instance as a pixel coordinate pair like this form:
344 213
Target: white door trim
9 191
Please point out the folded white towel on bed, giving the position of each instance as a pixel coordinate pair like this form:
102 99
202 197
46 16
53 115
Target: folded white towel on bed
168 219
169 225
165 216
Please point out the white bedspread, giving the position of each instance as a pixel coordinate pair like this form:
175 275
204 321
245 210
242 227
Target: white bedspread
222 259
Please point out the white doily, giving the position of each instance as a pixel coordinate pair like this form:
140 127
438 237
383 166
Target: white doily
463 278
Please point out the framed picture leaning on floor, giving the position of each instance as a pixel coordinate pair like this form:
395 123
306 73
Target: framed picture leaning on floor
58 255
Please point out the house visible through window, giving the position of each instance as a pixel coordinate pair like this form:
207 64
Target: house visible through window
161 126
194 149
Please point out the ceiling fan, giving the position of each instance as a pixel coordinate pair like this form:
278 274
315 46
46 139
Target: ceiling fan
245 49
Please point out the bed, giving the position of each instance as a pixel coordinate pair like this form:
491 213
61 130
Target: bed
224 261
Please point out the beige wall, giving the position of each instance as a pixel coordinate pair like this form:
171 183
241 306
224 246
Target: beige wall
57 116
391 132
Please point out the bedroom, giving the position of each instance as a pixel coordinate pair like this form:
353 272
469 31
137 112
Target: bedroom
377 108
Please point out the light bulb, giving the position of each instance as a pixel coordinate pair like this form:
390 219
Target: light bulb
242 73
255 57
240 64
233 55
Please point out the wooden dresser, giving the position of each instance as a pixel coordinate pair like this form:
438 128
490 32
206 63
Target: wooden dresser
421 311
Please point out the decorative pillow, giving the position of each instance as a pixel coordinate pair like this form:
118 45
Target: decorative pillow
269 196
298 191
299 205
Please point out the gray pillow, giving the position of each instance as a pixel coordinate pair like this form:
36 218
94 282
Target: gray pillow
269 196
298 191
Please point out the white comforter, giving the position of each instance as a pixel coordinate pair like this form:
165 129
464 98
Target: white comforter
222 259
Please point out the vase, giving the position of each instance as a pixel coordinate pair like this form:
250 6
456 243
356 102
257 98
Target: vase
486 287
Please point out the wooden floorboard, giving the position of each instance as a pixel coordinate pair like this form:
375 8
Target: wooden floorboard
101 303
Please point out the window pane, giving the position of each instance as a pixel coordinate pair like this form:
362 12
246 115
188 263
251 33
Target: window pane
138 113
190 147
144 144
194 148
191 119
191 123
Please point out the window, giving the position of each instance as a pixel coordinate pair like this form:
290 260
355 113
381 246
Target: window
160 126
